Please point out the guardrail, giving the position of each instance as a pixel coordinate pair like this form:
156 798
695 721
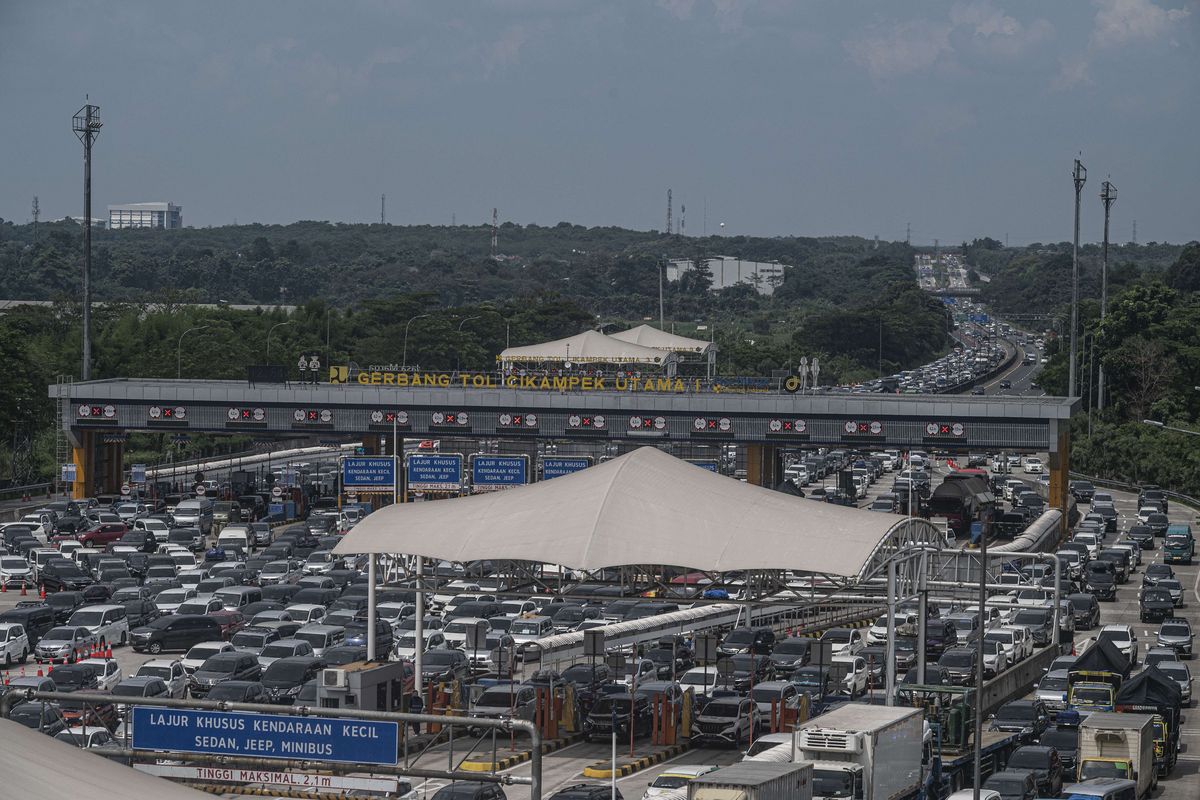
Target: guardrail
1112 483
19 492
987 376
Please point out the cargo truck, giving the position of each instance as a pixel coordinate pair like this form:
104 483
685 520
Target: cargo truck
864 752
1179 546
754 780
1115 745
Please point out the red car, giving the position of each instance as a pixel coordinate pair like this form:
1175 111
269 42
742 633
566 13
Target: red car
104 534
230 621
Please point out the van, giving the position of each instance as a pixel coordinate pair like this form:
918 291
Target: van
36 620
195 513
321 637
235 598
235 538
108 623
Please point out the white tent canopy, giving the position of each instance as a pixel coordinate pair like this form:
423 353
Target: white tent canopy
587 347
645 507
648 336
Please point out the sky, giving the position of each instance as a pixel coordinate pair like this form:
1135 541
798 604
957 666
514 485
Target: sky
775 117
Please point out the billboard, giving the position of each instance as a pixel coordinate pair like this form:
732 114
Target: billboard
369 473
236 733
557 466
434 472
489 473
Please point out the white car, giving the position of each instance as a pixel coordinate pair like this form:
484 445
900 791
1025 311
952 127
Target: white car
106 670
406 648
170 670
844 641
14 644
1123 638
307 612
854 671
159 528
1008 639
672 783
701 680
15 571
995 657
1143 515
1032 466
201 653
169 600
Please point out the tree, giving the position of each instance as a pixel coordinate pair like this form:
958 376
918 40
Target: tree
1184 274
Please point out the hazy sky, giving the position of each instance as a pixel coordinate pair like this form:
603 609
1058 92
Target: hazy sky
782 116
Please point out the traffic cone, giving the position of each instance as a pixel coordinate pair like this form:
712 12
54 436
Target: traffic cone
23 592
50 669
4 586
39 673
42 593
108 653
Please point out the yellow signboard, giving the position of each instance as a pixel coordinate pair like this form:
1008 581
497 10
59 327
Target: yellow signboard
341 375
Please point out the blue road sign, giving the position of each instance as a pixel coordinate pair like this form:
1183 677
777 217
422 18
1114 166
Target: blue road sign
711 466
430 472
498 472
237 733
557 466
369 473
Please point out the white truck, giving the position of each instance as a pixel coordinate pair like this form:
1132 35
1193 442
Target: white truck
754 780
864 752
1118 745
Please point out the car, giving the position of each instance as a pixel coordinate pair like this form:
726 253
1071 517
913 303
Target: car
1123 638
238 692
1177 635
171 672
1032 465
1065 739
726 720
470 790
64 645
143 686
758 641
1156 572
844 641
1158 655
1143 535
1052 689
45 717
1155 603
235 666
85 736
199 653
1082 491
109 624
285 677
176 632
106 671
14 644
792 653
1174 588
284 648
1045 764
1013 784
443 666
674 780
1176 671
995 658
1025 716
960 665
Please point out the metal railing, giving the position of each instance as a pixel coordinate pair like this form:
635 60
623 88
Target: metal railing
1112 483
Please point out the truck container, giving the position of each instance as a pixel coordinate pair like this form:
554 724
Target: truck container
754 780
864 752
1115 745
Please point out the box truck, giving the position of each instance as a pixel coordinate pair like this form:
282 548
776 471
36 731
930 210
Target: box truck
864 752
1116 745
754 780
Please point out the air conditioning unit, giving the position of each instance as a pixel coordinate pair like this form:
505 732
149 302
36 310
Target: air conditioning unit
829 739
335 679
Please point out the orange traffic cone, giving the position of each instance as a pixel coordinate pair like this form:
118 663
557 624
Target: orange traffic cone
23 592
50 669
39 673
108 653
4 586
43 592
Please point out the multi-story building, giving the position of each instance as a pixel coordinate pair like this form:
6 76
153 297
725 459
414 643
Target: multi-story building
145 215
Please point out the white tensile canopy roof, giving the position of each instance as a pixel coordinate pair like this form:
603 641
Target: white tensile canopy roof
645 507
589 346
648 336
37 766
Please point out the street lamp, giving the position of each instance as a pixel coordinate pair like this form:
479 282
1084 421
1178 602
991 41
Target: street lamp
1166 427
507 324
179 350
272 330
464 321
458 353
404 355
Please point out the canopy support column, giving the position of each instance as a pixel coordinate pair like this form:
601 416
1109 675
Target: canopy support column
762 465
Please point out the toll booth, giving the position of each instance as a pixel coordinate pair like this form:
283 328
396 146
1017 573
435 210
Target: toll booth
364 685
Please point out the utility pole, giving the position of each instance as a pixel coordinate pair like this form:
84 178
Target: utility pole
668 212
1079 175
383 209
908 233
662 267
1108 195
1134 232
86 124
682 219
495 230
36 213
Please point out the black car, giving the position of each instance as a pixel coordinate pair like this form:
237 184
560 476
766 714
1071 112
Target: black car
1143 535
610 709
284 678
791 653
671 661
745 671
174 632
1065 740
1156 572
238 692
231 666
64 604
1013 784
1100 578
587 791
1045 764
1155 604
1082 491
59 576
75 678
1025 716
344 654
440 666
356 633
144 541
1085 610
141 612
1158 523
45 717
758 641
470 790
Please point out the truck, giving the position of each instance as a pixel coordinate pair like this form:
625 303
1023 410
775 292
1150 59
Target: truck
754 780
1179 545
864 752
1116 745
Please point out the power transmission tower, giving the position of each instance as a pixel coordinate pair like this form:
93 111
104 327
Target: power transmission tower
908 233
495 230
36 213
383 209
682 218
1108 196
1135 231
1079 176
86 124
668 212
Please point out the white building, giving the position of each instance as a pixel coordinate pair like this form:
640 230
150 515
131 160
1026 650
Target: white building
727 271
145 215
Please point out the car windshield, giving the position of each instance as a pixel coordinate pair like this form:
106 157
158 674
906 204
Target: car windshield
606 705
1103 769
229 690
963 623
440 658
580 673
1031 618
957 659
72 678
739 636
760 695
1175 629
87 618
222 663
721 709
173 596
496 697
193 607
670 782
124 689
693 678
832 783
60 634
525 628
792 647
149 670
249 639
13 563
1023 711
278 650
291 672
202 651
1092 695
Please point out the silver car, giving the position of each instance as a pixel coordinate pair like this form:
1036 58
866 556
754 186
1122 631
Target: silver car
1179 672
1052 690
1177 635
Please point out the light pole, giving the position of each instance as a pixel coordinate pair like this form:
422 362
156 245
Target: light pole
1166 427
404 355
458 354
1108 195
507 324
1079 175
86 124
271 331
179 350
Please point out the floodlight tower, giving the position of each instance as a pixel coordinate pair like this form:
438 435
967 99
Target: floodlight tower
86 124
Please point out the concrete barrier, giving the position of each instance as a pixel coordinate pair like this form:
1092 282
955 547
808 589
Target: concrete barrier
1017 681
